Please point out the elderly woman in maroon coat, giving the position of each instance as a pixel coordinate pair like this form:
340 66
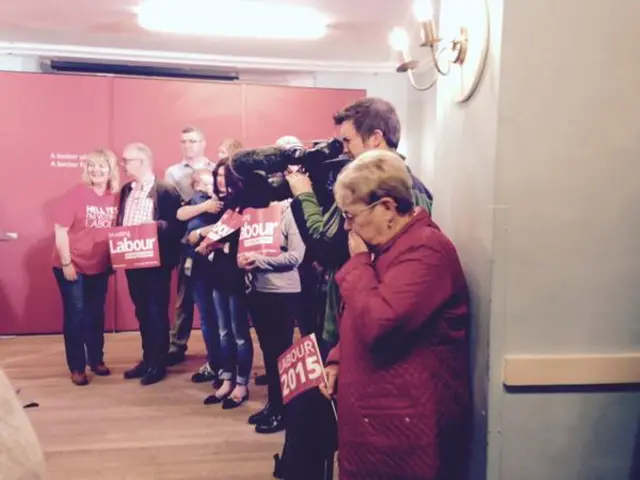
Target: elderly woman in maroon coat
400 370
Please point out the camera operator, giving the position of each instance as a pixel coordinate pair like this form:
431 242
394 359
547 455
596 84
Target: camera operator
369 123
310 320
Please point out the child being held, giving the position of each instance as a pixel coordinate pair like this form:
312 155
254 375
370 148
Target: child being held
202 210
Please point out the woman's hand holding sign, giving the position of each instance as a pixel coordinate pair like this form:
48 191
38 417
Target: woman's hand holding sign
246 261
328 389
194 237
205 248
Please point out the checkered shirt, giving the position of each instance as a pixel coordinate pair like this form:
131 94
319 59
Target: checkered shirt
139 207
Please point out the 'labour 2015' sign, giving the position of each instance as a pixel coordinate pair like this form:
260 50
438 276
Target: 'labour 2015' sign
300 368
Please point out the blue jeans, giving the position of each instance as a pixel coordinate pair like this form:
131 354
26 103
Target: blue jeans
235 341
203 298
83 304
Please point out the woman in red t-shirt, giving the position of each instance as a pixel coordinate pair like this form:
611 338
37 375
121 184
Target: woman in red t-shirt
81 261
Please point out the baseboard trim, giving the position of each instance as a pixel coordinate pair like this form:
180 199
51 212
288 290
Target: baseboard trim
549 370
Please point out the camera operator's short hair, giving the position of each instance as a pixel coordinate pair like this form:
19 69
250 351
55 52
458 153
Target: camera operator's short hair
232 145
288 140
195 130
374 175
371 114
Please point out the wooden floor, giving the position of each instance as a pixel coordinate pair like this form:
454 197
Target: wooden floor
114 429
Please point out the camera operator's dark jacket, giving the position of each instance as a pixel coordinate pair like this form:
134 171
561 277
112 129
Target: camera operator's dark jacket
325 236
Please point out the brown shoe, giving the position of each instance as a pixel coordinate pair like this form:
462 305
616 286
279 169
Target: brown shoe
79 378
101 370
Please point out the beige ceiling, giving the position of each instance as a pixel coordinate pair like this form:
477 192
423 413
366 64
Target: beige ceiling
358 32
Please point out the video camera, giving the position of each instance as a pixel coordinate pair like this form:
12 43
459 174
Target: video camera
257 176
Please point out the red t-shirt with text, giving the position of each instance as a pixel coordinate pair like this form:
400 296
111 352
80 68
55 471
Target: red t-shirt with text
88 216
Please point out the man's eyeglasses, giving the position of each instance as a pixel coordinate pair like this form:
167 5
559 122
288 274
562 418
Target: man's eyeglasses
126 161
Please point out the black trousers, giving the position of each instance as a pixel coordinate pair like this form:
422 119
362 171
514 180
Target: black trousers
149 289
273 316
311 436
313 299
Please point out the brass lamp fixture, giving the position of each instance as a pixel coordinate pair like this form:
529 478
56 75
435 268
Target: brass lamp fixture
446 55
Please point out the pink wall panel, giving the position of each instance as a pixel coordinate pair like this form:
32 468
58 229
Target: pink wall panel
154 112
46 120
274 111
47 115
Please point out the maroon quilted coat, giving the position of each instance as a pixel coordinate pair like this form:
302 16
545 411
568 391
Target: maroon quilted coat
403 387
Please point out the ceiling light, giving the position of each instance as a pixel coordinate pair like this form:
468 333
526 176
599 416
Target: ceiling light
233 18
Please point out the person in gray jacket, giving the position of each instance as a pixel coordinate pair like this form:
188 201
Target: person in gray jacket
274 305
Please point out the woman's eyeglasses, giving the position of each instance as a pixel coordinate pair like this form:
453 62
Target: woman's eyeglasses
351 217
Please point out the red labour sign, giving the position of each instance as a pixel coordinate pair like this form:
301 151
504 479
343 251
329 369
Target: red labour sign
260 231
134 247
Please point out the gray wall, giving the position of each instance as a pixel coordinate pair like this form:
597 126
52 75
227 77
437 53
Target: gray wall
569 171
536 181
460 167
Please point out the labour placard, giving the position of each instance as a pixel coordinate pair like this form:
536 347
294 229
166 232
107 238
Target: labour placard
134 247
260 231
300 368
228 223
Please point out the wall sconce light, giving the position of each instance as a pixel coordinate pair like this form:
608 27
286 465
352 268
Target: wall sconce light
467 58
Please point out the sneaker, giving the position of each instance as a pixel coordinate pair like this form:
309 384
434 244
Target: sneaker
204 374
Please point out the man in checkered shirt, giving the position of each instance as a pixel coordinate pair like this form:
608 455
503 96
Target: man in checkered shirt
147 199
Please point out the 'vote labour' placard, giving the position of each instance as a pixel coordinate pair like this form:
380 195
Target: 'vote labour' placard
134 247
260 231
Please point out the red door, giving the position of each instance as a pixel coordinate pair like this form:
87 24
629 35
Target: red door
47 121
153 112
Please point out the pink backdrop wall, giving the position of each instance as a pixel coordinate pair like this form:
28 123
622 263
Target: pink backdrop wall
47 121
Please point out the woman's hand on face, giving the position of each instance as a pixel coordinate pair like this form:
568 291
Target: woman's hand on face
356 244
329 389
299 183
70 273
